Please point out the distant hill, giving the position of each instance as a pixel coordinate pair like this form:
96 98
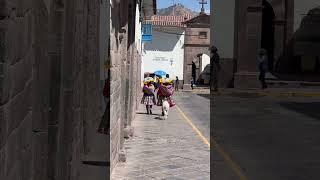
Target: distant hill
179 10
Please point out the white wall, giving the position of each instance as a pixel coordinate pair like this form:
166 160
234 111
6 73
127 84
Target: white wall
301 7
157 55
205 61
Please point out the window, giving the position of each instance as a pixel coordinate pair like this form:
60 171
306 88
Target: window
202 35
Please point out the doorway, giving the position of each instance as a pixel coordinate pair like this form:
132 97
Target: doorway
267 32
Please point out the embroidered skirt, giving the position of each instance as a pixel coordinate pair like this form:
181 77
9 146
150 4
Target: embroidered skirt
148 100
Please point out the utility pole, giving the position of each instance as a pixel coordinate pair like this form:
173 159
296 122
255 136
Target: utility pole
202 2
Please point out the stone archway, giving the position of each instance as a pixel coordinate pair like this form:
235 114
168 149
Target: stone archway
203 76
193 53
267 31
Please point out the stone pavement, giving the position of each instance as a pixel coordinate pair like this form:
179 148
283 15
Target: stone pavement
278 92
164 149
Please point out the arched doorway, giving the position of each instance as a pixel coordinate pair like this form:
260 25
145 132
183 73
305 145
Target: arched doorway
267 32
203 69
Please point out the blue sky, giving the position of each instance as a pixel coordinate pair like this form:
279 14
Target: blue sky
190 4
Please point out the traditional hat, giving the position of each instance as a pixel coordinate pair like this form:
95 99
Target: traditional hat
148 79
168 80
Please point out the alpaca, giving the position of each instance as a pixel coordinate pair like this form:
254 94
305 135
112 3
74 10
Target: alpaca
165 108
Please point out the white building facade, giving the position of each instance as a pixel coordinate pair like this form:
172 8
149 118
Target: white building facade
165 52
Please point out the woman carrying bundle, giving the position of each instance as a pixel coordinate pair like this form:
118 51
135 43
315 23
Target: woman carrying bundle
148 94
166 90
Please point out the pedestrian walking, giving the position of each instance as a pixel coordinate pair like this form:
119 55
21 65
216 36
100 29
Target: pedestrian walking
263 67
176 87
165 92
194 67
191 81
148 94
215 61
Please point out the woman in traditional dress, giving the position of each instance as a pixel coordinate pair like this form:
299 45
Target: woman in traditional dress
166 90
148 94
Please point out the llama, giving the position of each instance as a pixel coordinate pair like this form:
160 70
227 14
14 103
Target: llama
165 107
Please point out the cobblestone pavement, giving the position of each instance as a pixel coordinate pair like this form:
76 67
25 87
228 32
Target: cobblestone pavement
274 138
164 149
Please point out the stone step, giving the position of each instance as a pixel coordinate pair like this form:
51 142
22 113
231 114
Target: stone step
292 84
201 87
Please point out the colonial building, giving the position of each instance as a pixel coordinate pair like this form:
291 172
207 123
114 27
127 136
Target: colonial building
240 29
196 48
166 50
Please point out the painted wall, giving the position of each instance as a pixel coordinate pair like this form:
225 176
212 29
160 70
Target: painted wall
222 27
301 8
165 52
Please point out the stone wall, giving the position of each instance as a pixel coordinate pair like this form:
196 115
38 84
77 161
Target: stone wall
24 96
51 103
50 96
194 45
125 73
191 52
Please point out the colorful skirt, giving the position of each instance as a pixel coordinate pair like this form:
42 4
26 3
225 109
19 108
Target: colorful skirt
148 100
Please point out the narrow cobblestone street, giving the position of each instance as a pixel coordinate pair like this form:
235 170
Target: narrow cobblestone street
164 149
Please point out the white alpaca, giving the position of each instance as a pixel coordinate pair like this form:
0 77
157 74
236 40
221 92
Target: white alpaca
165 108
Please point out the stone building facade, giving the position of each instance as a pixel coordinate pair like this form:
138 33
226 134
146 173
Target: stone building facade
125 68
53 56
197 42
240 29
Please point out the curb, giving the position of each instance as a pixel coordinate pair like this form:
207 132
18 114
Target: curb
274 94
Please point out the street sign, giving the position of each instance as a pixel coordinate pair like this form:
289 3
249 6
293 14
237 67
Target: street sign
146 32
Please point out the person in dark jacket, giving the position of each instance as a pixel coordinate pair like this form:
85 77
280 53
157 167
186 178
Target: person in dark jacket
215 61
194 67
176 86
263 67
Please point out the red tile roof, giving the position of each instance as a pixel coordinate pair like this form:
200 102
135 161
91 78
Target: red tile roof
176 21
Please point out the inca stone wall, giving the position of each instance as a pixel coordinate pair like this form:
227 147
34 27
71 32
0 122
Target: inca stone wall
125 73
24 96
51 94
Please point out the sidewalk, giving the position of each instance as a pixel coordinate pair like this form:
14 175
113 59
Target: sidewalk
278 92
164 149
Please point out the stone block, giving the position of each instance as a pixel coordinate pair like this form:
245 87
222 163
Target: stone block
13 154
19 107
11 42
5 83
2 162
23 7
128 132
3 125
40 94
122 155
40 156
3 44
25 132
20 73
4 8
